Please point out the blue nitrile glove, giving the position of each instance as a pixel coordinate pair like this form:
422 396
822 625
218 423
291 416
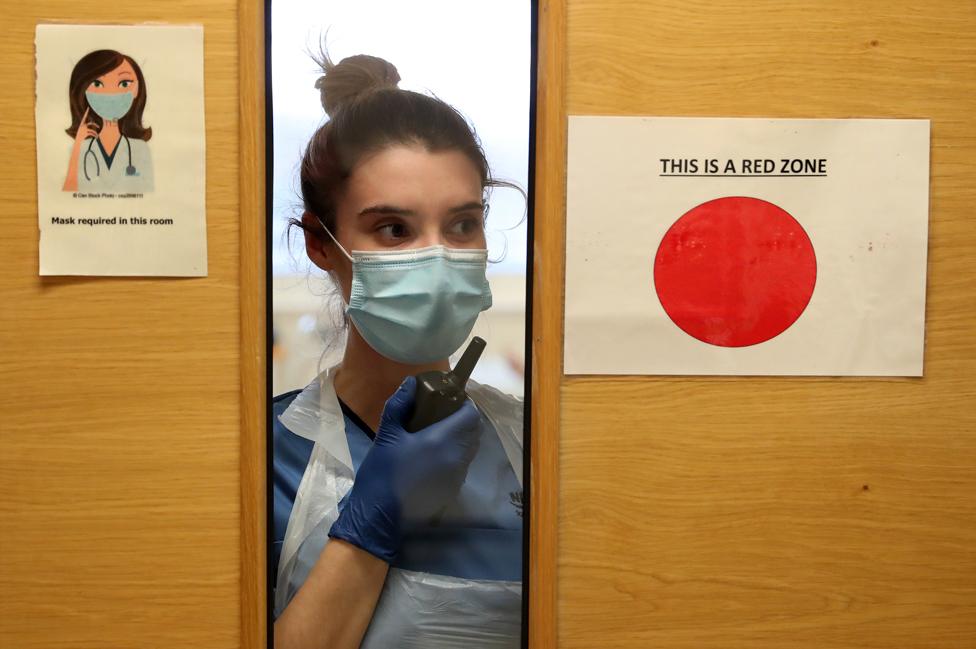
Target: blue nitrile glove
406 477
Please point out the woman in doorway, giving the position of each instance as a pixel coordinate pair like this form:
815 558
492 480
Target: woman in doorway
385 538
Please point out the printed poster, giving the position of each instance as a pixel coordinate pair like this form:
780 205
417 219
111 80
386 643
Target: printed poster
746 246
121 150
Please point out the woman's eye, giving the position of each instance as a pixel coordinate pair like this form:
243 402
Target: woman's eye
98 84
125 83
393 230
466 226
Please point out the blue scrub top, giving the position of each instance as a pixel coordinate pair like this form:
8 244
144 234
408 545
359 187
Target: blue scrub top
478 537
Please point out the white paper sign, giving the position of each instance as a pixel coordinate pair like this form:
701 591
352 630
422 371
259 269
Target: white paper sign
746 246
120 150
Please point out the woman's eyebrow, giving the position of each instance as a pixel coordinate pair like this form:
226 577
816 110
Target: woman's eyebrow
469 206
386 209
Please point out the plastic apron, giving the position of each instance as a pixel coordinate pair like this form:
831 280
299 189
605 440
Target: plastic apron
415 609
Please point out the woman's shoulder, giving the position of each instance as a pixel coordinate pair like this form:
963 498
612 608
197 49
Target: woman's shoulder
495 402
283 400
280 432
504 413
487 392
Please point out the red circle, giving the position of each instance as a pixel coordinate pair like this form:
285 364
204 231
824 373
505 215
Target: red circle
735 271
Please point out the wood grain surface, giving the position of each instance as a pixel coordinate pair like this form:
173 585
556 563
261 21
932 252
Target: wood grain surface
771 512
120 403
255 621
548 239
692 512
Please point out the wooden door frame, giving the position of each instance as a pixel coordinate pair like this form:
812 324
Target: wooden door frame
255 606
548 244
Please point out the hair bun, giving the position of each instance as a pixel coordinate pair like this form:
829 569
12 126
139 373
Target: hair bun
352 77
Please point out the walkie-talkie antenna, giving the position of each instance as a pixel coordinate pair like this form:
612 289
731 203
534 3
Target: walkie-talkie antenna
469 359
441 393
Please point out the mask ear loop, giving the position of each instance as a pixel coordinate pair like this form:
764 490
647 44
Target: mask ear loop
348 256
338 245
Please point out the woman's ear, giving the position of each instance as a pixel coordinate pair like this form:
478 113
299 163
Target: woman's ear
320 251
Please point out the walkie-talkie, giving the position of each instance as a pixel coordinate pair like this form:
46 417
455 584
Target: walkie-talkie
439 393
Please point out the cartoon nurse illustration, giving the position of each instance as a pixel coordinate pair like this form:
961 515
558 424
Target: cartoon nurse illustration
107 94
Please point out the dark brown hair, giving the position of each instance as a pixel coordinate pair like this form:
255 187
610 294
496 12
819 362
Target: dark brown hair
90 67
368 113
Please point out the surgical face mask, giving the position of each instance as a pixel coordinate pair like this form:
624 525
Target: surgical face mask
418 305
110 107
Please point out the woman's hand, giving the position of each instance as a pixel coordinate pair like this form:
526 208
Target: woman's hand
406 477
85 131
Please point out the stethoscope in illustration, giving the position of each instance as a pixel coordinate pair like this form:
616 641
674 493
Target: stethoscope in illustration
129 169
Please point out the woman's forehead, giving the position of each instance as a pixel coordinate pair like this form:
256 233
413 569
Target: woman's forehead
124 69
413 177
